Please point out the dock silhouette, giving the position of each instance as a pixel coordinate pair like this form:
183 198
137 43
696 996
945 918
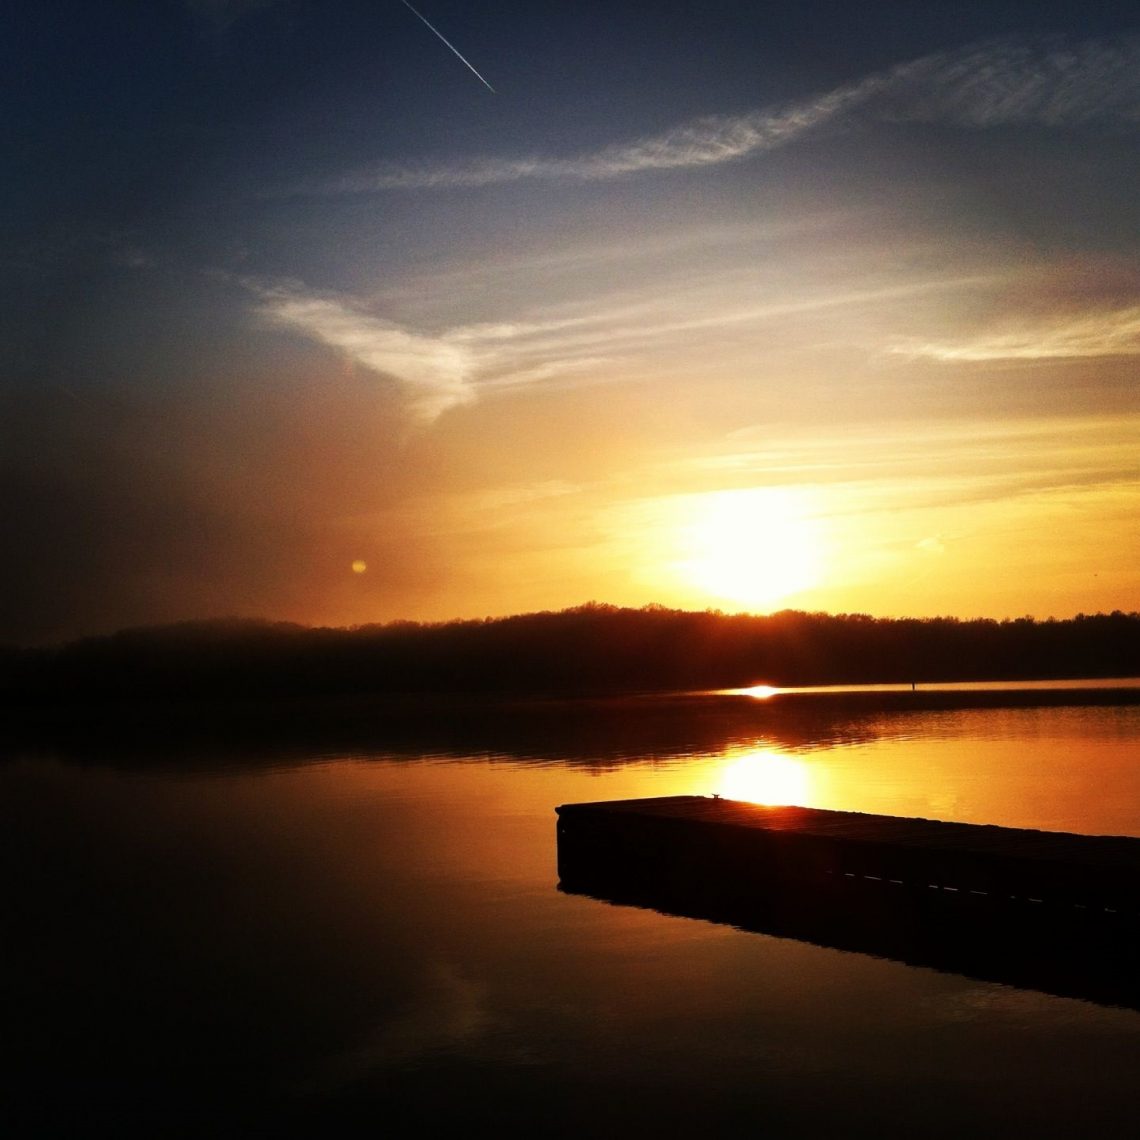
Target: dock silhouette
1051 911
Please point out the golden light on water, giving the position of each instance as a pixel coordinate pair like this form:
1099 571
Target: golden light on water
766 777
758 692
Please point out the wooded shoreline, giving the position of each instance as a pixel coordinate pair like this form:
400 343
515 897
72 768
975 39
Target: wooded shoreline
592 650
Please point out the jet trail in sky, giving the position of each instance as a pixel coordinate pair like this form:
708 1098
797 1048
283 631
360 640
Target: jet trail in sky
450 45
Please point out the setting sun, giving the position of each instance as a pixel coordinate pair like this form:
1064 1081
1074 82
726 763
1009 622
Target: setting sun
754 547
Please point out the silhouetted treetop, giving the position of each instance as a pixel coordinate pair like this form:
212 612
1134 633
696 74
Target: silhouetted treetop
589 649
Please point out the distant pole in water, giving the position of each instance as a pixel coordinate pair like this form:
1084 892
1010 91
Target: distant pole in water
913 686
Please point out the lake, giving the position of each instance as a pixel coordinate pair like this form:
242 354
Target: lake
348 922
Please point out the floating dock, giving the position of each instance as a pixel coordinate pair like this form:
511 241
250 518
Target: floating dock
733 837
1045 910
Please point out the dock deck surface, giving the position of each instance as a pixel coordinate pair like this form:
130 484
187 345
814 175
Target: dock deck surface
1057 867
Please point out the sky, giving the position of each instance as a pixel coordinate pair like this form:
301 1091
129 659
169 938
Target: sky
342 312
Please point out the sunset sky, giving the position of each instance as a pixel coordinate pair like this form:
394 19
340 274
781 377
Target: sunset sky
827 305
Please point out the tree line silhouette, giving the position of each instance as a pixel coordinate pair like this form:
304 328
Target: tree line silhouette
592 649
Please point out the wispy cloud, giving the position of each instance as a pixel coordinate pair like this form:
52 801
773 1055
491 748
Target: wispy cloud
604 338
1017 82
702 142
919 463
1006 82
435 371
1113 333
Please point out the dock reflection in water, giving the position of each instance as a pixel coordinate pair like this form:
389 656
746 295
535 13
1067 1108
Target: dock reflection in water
689 857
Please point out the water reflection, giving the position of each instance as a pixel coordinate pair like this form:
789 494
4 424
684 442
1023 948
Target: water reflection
321 919
1057 949
757 692
765 776
591 732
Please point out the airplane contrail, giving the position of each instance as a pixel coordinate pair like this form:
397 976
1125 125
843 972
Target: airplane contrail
450 45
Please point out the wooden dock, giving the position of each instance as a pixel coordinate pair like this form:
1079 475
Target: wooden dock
1044 910
1043 867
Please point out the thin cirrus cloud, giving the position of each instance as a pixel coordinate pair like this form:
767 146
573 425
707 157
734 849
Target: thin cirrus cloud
1114 333
439 371
435 372
704 142
1048 452
1014 82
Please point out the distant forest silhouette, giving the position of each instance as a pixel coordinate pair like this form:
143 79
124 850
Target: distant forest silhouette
593 649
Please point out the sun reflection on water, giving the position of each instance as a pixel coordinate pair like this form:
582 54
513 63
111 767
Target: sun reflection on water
759 692
763 776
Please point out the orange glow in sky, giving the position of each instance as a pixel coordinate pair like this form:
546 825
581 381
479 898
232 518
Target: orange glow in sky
752 547
852 331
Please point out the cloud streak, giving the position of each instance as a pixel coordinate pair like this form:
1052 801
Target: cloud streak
454 50
440 371
607 339
1114 333
919 466
1007 82
704 142
434 374
1010 82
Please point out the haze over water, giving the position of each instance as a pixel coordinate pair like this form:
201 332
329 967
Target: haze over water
226 937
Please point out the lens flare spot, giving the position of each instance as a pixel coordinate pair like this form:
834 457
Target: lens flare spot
359 566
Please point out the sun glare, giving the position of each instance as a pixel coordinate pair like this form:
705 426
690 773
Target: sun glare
763 777
758 692
754 547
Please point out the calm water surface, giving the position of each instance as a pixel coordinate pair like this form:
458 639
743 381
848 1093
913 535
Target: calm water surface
249 939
